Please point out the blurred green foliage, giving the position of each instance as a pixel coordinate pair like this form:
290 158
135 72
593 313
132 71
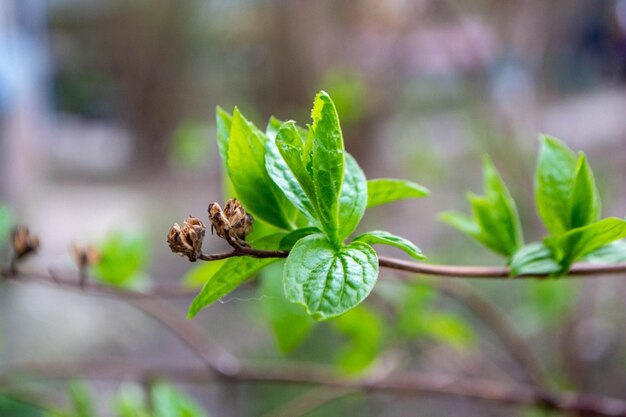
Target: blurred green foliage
123 258
418 317
190 148
6 221
81 403
164 401
289 322
349 92
16 408
364 331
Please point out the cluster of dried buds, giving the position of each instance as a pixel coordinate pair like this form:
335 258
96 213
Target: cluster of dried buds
232 224
187 240
23 242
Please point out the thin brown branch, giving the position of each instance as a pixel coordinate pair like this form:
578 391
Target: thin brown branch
403 384
214 357
497 323
222 366
309 401
453 271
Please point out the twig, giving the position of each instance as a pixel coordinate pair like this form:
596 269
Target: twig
214 357
413 384
456 271
309 401
223 367
496 322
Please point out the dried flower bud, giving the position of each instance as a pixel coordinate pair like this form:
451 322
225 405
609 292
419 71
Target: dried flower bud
23 242
187 240
233 223
219 222
240 221
85 256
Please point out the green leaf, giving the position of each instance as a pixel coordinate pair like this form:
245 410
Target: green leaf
246 169
223 121
329 280
353 197
386 190
234 272
495 221
364 330
534 259
6 221
386 238
290 323
122 259
293 237
324 160
554 177
197 276
585 203
579 242
284 165
613 253
273 126
169 402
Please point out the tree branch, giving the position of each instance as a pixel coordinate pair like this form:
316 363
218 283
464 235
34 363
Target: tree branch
224 367
496 322
413 384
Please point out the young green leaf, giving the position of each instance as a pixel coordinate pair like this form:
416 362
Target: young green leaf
324 160
579 242
353 197
386 190
283 161
273 126
386 238
584 202
612 253
554 177
329 280
534 259
130 402
233 273
223 121
246 169
293 237
495 221
290 323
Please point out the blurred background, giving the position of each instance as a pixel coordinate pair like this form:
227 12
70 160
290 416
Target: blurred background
107 131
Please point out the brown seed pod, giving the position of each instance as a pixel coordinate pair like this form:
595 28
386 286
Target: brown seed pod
219 222
187 240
